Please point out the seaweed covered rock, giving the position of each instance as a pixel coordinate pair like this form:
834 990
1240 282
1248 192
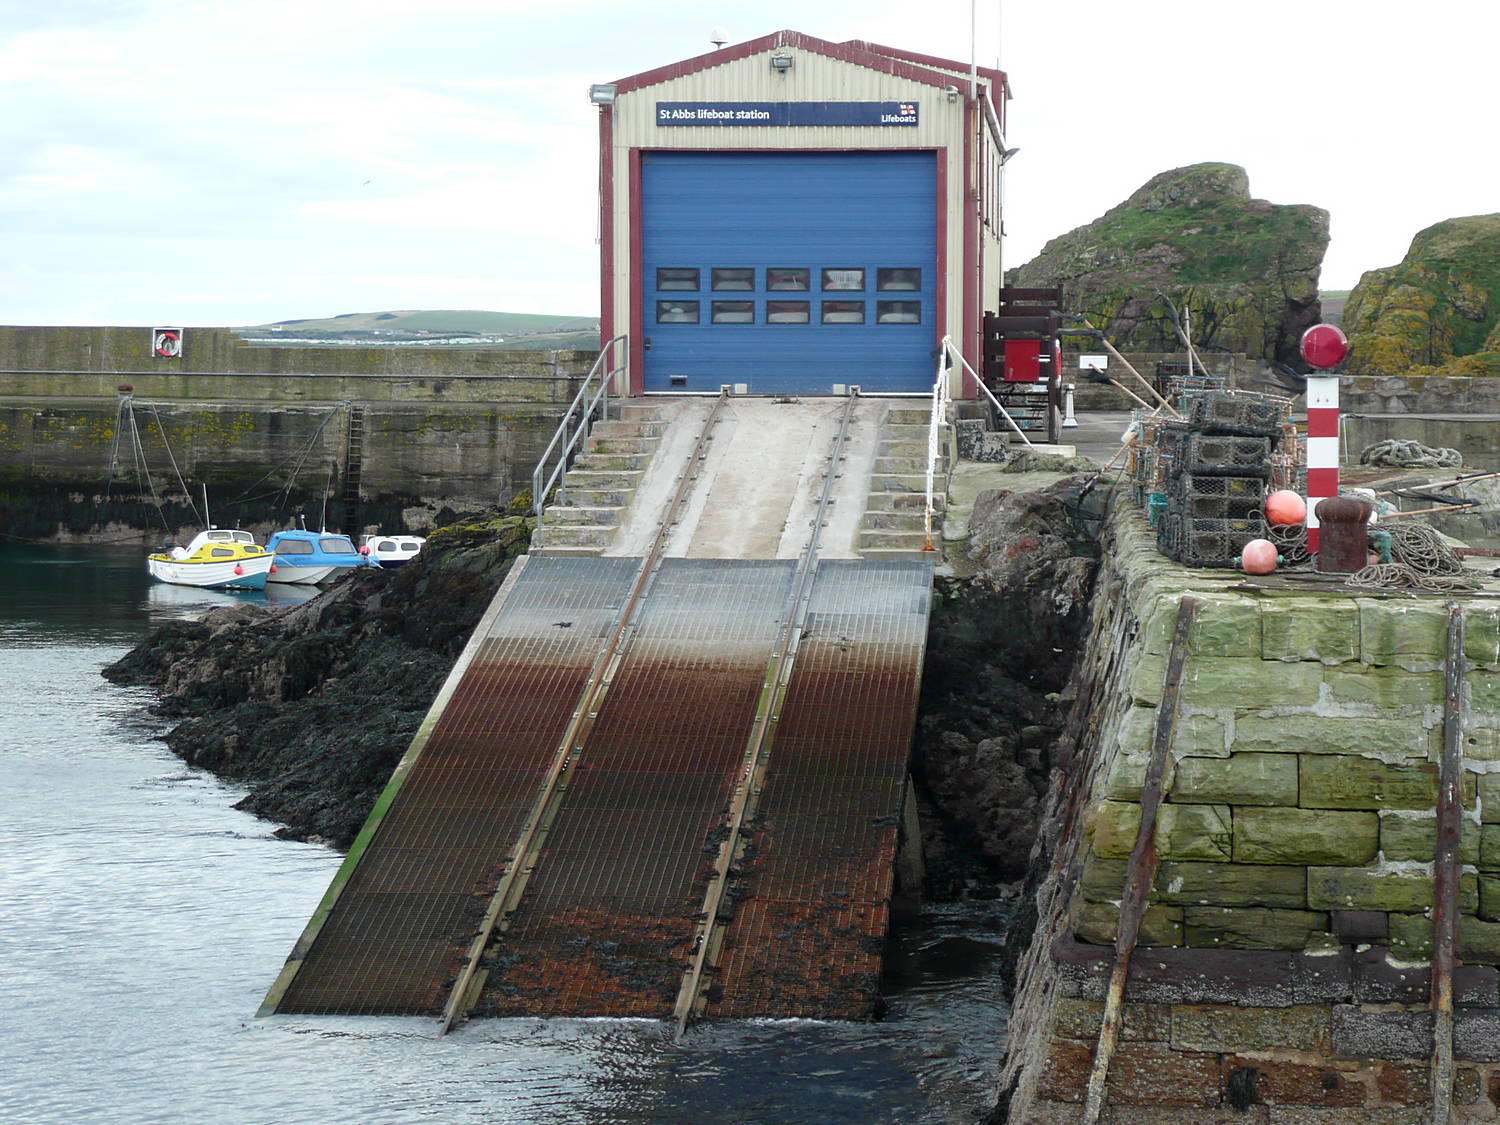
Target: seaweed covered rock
1000 650
312 706
1247 269
1435 313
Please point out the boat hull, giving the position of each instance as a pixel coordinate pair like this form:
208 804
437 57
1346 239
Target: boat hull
302 575
218 574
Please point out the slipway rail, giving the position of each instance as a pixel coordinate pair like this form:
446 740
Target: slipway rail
657 787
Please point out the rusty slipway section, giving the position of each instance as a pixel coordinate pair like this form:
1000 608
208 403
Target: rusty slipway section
606 922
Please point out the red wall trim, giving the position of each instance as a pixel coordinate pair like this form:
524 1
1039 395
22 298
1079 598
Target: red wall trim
637 290
940 299
606 224
845 52
969 343
997 78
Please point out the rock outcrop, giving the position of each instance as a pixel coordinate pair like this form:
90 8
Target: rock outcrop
1247 269
311 707
1438 311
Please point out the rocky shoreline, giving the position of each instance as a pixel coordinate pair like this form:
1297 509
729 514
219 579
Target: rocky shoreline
312 706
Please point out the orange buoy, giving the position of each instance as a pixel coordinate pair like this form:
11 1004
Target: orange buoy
1258 557
1285 508
238 569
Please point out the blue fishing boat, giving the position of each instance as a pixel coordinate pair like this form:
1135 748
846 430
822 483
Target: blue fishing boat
309 557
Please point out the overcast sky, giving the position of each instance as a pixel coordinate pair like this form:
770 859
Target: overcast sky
225 162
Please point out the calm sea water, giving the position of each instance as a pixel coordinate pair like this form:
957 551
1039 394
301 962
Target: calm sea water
142 919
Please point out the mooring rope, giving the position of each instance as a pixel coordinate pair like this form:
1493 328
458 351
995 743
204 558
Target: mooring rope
1420 560
1402 454
1291 544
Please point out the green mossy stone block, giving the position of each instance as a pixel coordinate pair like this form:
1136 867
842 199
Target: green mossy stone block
1098 922
1223 1027
1482 636
1489 847
1230 884
1489 798
1159 628
1145 679
1305 836
1392 629
1346 781
1324 631
1387 687
1484 692
1136 731
1489 897
1226 629
1127 776
1202 736
1102 880
1482 744
1479 940
1371 888
1240 779
1415 838
1320 734
1410 937
1182 831
1080 1019
1217 682
1251 927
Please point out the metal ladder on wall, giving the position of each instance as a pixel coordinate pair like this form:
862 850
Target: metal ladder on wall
354 456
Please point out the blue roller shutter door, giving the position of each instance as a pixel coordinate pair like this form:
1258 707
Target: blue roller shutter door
789 272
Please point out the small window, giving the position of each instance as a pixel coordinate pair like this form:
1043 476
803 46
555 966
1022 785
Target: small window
793 279
787 312
293 547
733 312
844 280
734 279
676 312
385 546
336 545
843 312
221 552
898 312
410 546
890 280
676 279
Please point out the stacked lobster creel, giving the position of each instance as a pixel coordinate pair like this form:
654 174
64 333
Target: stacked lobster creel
1219 467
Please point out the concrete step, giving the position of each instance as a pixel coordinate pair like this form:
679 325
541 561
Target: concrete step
576 535
891 540
906 431
637 411
571 514
597 497
909 415
904 520
900 553
893 447
567 552
612 462
584 479
620 428
622 445
916 465
898 501
898 482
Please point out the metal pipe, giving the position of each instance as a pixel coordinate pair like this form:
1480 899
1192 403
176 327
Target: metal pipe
1446 869
1165 405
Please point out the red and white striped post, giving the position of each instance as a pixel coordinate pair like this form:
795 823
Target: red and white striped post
1323 347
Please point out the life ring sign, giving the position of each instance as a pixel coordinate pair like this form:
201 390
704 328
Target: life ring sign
166 343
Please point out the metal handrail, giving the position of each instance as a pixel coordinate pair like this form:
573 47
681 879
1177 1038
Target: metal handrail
948 347
605 368
941 396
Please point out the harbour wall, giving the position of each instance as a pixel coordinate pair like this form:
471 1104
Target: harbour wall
1283 973
437 432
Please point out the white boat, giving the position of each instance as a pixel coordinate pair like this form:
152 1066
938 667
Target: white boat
215 559
392 550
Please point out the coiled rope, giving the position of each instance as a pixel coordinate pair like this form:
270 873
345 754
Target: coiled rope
1410 455
1420 560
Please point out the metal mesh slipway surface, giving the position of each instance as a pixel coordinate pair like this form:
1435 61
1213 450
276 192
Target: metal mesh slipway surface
608 917
399 930
606 921
809 927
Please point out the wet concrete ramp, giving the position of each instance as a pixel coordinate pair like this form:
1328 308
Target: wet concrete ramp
627 809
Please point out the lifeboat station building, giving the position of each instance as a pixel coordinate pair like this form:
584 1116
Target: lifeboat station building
792 216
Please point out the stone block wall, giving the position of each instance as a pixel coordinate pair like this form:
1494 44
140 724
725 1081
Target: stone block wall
1284 961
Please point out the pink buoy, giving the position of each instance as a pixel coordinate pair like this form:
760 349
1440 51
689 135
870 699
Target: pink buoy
1285 508
1258 557
238 569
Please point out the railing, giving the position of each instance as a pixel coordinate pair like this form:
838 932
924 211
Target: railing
940 400
949 348
573 430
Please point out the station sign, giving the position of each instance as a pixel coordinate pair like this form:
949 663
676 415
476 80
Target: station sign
787 113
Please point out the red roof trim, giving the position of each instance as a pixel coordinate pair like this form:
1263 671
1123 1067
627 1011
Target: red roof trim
887 63
997 77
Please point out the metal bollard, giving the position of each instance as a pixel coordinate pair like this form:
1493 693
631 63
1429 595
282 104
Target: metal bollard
1069 422
1343 546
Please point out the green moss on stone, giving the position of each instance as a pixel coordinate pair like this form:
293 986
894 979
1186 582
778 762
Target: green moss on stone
1305 836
